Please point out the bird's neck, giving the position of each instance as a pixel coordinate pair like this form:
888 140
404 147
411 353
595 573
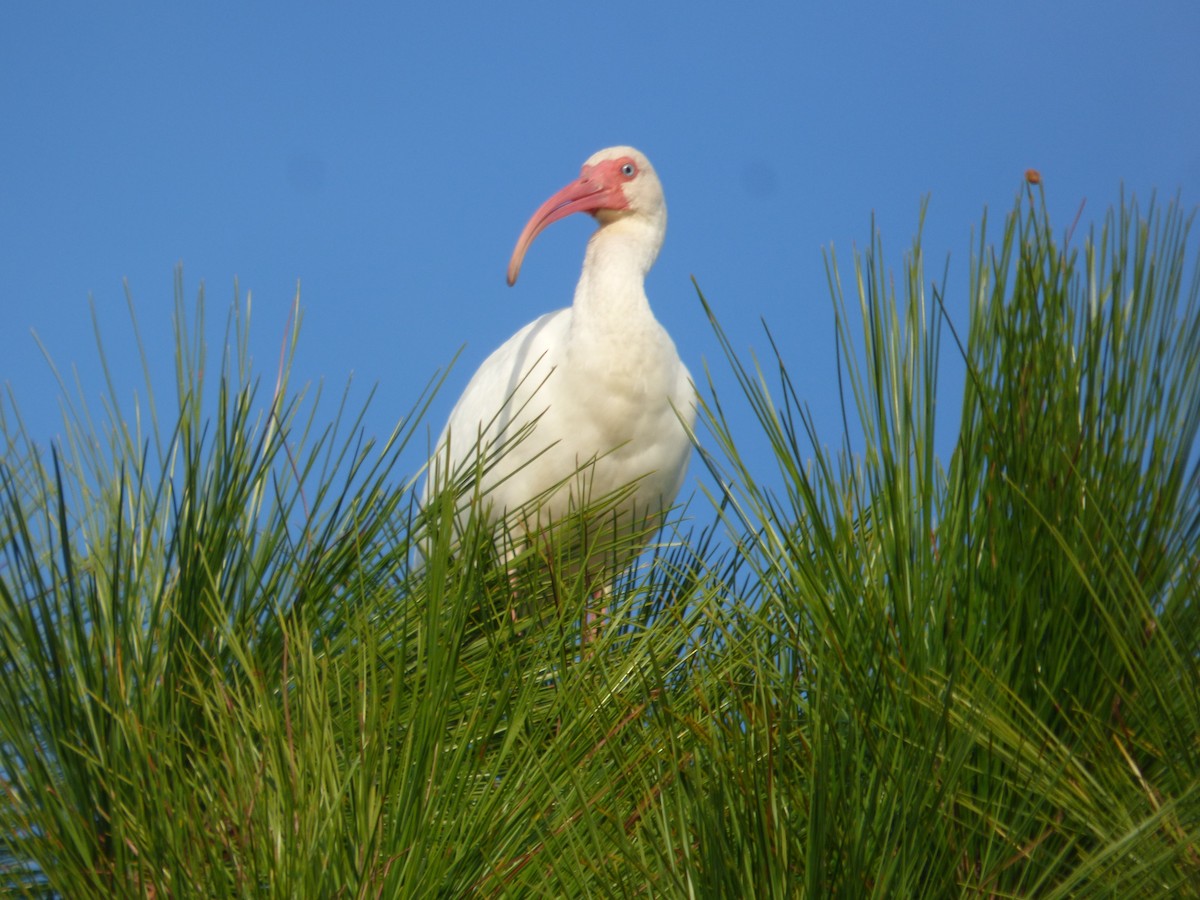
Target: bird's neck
611 295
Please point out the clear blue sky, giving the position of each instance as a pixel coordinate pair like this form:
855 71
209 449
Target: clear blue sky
387 156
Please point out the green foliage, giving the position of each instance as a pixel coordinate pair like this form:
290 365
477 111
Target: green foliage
239 660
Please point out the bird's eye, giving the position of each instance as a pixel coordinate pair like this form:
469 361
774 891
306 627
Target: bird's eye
628 170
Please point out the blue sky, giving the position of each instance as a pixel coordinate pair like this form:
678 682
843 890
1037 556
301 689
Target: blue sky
387 155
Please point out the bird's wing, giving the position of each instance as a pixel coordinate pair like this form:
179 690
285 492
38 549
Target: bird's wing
498 398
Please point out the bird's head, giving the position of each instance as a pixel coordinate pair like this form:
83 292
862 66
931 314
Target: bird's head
614 184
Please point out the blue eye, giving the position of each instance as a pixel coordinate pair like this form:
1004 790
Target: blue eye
628 170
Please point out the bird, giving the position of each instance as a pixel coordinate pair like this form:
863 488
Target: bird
590 404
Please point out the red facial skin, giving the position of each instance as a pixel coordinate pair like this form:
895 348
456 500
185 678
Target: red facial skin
599 186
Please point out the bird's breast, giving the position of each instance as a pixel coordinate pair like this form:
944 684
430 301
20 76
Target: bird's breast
627 412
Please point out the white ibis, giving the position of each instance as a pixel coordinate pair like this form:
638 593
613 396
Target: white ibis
590 400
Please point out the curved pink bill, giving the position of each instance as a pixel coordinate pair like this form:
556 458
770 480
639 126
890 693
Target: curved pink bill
594 189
